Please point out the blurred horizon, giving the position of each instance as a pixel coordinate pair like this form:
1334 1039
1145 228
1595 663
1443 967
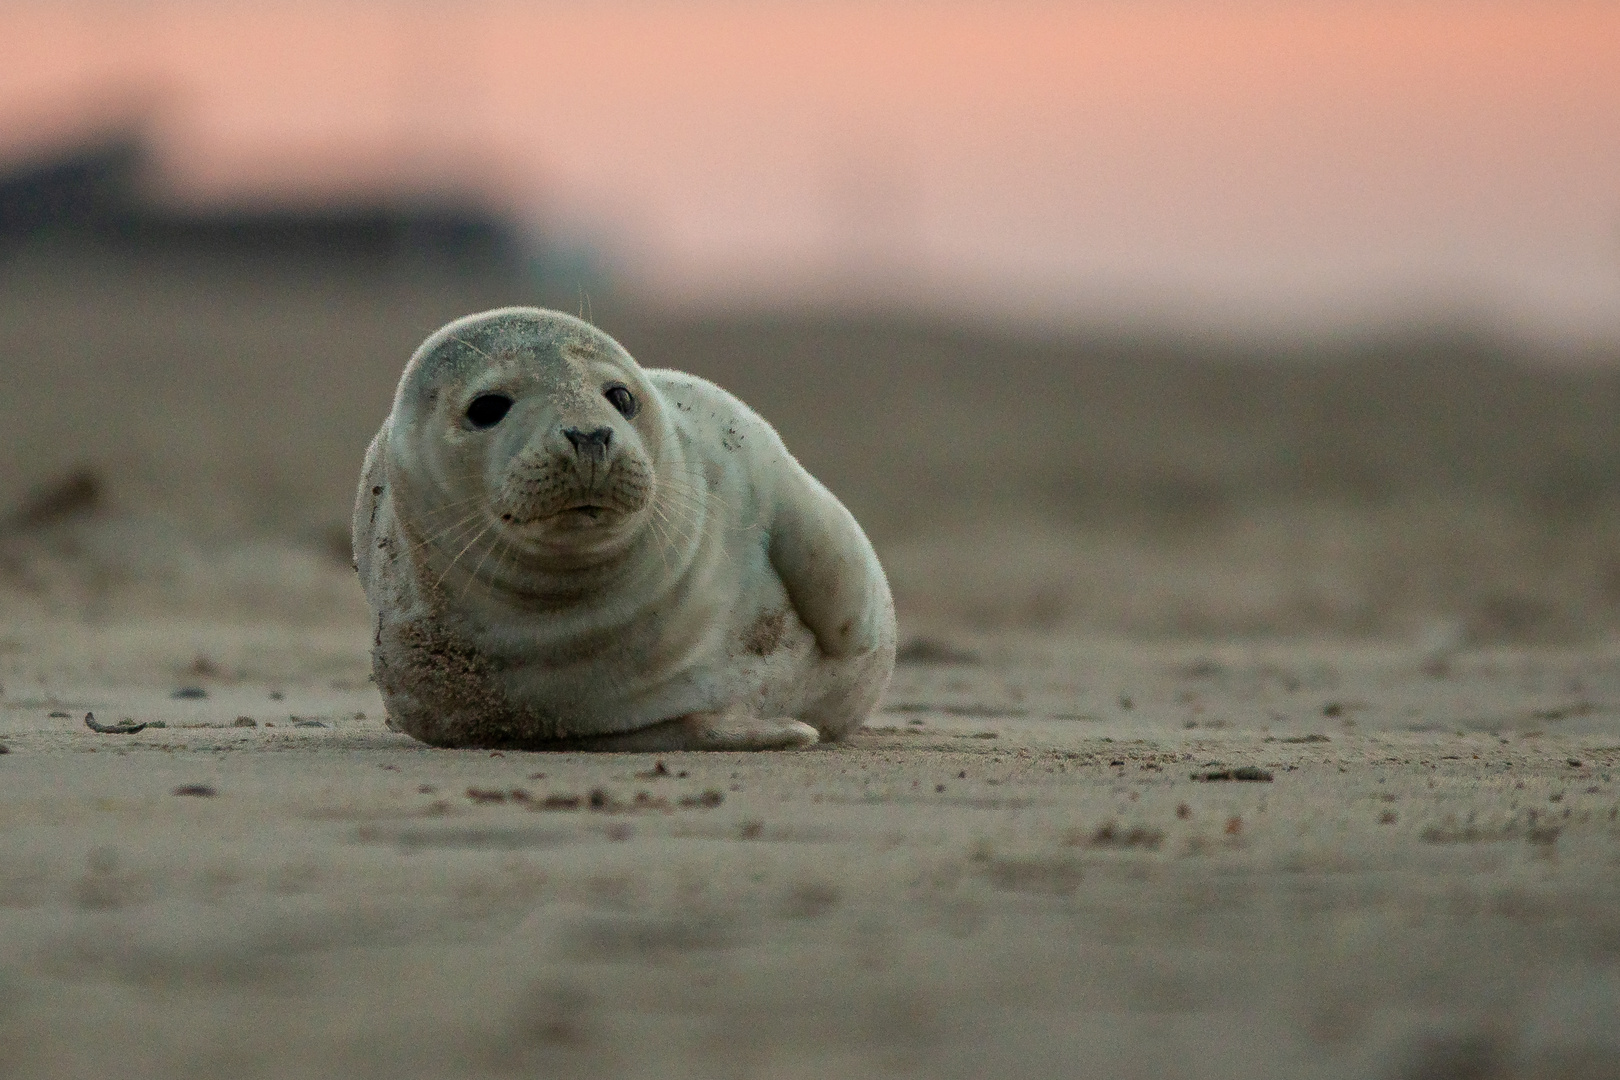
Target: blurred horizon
1192 167
1171 317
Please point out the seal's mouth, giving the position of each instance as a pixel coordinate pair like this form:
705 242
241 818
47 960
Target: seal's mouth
576 515
584 512
546 505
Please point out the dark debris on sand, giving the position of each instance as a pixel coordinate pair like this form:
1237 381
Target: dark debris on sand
79 492
1243 772
123 727
603 801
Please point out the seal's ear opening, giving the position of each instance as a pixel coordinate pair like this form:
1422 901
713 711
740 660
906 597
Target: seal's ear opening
487 410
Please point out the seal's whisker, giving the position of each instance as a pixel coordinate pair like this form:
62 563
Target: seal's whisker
671 500
667 534
664 543
476 536
465 548
680 528
453 535
681 483
720 507
701 526
671 494
455 503
500 541
462 512
709 500
502 550
691 498
460 529
474 348
503 561
687 523
701 507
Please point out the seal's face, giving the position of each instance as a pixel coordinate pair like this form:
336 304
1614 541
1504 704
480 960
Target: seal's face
531 430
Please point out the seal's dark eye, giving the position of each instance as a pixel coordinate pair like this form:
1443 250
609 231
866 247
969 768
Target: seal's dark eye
622 399
486 410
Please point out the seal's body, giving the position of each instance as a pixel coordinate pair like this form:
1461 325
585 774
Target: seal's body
561 549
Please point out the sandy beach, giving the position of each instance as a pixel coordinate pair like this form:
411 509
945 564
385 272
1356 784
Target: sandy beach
1259 717
1041 859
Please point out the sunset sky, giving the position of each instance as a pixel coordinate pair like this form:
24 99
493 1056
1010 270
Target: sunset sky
1222 164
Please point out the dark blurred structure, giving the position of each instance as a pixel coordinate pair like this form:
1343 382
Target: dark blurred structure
95 193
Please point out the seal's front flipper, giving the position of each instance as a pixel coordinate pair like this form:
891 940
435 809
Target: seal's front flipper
828 568
710 731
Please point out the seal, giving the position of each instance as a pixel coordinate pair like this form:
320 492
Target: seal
563 550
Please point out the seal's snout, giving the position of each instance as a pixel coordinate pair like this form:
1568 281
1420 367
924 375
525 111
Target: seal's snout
590 443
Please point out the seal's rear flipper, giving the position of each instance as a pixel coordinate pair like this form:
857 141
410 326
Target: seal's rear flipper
709 731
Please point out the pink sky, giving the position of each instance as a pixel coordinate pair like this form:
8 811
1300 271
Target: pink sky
1221 163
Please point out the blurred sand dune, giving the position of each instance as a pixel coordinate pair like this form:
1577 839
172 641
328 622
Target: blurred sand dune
218 413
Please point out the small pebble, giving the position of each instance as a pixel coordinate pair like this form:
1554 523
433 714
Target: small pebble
201 791
189 693
245 721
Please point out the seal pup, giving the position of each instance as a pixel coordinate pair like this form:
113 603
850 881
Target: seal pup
563 550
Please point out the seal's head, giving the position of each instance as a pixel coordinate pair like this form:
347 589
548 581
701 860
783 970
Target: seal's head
528 429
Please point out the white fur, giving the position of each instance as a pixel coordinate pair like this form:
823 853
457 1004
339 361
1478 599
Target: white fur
721 599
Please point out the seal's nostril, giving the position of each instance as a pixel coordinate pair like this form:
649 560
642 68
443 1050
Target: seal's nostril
589 441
